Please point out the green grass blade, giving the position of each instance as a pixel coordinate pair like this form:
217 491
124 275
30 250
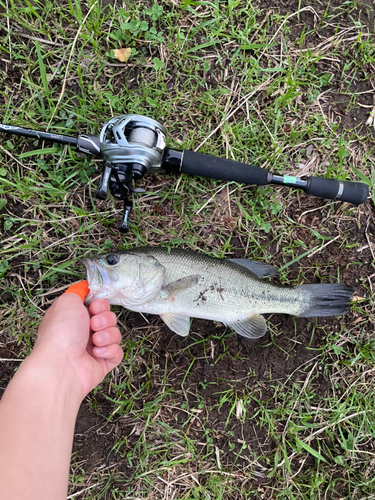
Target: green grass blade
310 450
42 68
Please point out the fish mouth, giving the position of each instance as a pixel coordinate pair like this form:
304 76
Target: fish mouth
92 271
94 278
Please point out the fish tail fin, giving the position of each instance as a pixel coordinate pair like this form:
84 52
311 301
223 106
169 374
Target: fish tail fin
325 300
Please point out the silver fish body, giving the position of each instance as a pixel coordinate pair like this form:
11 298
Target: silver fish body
182 284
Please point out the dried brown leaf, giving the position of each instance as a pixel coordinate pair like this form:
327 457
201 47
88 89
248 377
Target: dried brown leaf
122 54
74 223
357 298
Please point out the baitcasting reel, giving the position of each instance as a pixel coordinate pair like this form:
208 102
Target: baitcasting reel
133 145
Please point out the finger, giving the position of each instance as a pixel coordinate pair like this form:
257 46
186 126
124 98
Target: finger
81 289
112 354
103 320
98 306
106 337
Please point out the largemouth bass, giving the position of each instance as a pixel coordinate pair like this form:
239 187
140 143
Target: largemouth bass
182 284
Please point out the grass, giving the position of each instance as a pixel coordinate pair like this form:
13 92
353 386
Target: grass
209 416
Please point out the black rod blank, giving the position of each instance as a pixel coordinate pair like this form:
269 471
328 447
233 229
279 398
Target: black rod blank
36 134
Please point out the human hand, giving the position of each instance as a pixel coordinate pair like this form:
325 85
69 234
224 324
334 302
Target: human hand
85 340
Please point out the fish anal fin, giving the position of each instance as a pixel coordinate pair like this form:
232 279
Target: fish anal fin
253 327
180 285
178 323
258 268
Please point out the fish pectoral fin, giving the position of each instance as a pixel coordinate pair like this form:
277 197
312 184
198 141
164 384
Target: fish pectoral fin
251 328
261 270
178 323
181 285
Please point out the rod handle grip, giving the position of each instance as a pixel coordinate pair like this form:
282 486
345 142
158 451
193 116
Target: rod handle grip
333 189
221 169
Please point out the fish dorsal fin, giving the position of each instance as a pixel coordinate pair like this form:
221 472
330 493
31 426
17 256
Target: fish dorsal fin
181 285
178 323
256 267
251 328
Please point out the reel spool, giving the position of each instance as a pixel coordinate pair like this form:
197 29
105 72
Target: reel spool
131 146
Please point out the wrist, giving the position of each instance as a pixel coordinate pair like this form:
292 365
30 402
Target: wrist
55 375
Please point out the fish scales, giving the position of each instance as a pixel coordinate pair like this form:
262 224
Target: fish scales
181 284
224 292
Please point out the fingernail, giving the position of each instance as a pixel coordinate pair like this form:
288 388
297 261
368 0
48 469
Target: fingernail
99 322
102 337
100 350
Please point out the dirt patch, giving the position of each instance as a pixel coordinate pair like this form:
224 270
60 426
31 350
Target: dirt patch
8 363
338 99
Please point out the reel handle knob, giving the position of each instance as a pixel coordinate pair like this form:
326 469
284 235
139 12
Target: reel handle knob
123 227
102 191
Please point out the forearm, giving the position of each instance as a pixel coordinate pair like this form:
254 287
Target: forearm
75 349
37 418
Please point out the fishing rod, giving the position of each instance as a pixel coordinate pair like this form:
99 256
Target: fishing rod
134 145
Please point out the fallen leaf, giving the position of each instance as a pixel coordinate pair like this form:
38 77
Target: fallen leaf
74 223
229 222
159 210
122 54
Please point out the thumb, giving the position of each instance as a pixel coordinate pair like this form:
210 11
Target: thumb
81 289
67 316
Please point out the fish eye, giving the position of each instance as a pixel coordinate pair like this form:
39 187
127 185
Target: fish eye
112 260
